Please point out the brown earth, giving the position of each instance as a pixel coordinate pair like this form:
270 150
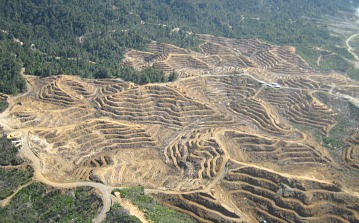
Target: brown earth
219 55
215 144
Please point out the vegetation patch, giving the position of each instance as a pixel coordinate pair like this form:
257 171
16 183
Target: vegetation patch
11 82
10 180
315 133
89 38
37 203
354 43
334 62
3 105
8 153
118 214
331 59
147 75
338 133
345 121
353 73
153 210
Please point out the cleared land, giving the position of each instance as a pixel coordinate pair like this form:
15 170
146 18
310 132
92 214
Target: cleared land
221 56
216 144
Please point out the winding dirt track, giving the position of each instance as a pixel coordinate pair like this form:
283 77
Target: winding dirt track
38 176
6 201
350 49
105 190
26 152
132 209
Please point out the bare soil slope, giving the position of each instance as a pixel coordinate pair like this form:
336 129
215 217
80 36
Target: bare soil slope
219 55
218 144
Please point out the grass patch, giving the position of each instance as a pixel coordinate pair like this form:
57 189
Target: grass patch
334 62
346 123
333 58
309 55
317 136
315 133
118 214
339 129
336 134
37 203
153 210
331 142
335 137
353 73
12 179
341 51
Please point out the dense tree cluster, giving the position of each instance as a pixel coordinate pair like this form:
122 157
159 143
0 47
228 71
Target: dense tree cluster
37 203
8 153
11 179
3 105
10 80
89 37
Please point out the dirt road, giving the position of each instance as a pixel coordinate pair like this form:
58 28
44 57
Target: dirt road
26 152
351 50
132 209
6 201
105 190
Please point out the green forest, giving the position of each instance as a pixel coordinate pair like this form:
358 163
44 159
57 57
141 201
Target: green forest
152 209
88 38
39 203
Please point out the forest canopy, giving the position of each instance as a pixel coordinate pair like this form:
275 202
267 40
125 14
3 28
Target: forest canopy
89 37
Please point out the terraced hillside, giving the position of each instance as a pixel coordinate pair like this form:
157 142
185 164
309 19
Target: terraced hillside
252 191
220 55
218 144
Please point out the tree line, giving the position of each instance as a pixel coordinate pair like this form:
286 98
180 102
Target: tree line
89 37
